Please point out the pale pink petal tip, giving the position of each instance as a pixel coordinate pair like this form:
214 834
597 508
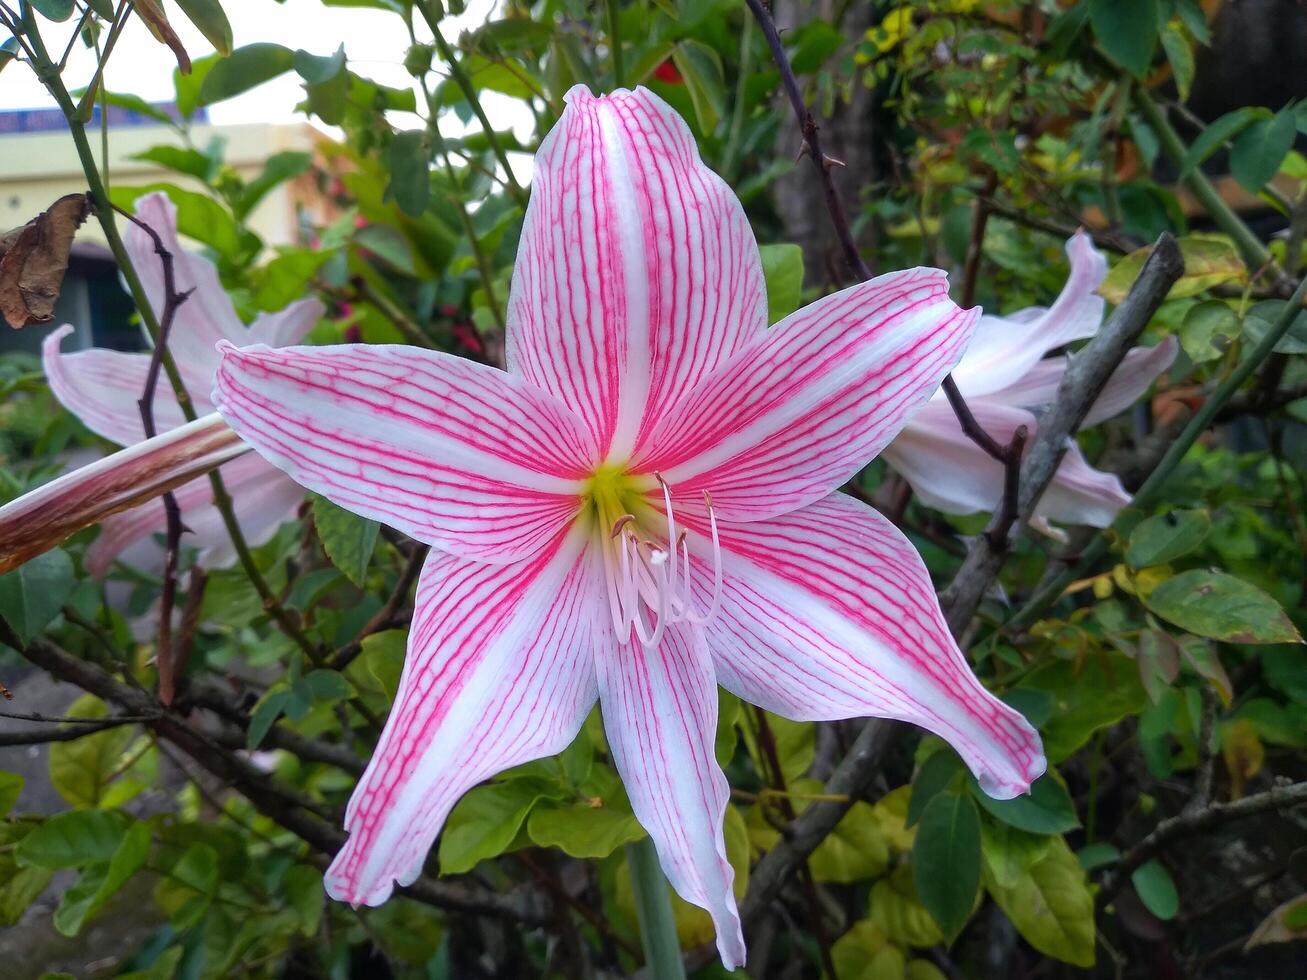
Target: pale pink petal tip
1008 774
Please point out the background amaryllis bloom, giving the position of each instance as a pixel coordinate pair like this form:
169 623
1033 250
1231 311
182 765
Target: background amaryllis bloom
1004 375
639 509
101 387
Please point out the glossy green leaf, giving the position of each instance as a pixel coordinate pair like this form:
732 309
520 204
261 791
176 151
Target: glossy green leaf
485 822
33 593
1126 31
208 16
946 860
583 831
936 774
1260 149
348 539
1050 904
1221 607
1094 694
1261 316
782 269
1156 890
1208 329
57 10
1046 809
1166 537
1181 58
245 68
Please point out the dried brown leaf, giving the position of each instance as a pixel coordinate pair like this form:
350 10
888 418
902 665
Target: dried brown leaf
151 11
34 258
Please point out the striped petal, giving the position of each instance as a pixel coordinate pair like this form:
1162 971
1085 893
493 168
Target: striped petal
207 315
800 411
103 387
828 612
453 453
500 671
660 716
1006 348
637 270
263 498
946 469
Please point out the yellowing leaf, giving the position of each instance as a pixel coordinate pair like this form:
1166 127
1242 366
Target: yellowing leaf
1243 753
1050 904
1209 260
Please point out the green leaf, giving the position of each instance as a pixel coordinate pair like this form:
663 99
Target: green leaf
1166 537
34 592
83 769
347 538
1050 904
99 882
244 69
701 67
207 15
383 658
1216 133
19 888
57 10
1181 57
198 216
1098 855
946 860
9 50
1046 809
1221 607
855 850
1209 260
1094 694
1126 31
485 822
279 168
305 897
1260 149
72 840
327 685
583 831
782 270
265 713
410 177
183 160
1262 316
11 787
897 910
1156 890
936 773
1208 330
185 893
326 82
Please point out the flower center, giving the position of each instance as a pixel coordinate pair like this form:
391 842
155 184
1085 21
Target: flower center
648 575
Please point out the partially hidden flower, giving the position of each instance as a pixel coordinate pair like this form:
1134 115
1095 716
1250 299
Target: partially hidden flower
639 509
102 388
1004 376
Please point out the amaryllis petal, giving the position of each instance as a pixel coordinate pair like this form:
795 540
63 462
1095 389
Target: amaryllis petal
207 315
798 412
1135 374
263 497
637 270
660 716
103 389
1005 348
946 469
1080 494
828 612
499 671
287 326
450 452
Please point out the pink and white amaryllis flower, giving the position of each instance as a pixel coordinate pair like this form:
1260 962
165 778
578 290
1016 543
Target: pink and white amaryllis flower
1004 375
639 509
101 387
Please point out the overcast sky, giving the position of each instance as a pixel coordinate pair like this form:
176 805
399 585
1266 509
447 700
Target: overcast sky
375 42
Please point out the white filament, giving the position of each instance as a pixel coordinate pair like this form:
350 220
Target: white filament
650 586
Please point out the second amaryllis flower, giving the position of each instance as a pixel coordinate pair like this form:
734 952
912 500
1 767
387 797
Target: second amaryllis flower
1006 377
639 509
102 388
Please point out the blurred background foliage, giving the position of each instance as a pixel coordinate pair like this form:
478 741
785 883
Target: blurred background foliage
1167 679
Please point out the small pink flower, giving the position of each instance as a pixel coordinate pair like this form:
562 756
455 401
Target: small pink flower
640 508
102 387
1004 374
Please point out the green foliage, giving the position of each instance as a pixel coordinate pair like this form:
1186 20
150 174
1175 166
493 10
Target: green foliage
33 593
946 860
347 538
1222 607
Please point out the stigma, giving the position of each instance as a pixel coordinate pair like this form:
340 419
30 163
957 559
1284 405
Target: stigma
650 579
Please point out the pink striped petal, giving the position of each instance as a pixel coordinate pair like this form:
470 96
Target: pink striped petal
946 469
637 270
500 671
1080 494
800 411
263 498
660 715
287 326
829 613
103 387
207 316
453 453
1006 348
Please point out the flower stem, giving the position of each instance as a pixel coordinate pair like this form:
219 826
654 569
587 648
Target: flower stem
653 903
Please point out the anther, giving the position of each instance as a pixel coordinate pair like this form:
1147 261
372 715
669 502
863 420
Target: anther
620 523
